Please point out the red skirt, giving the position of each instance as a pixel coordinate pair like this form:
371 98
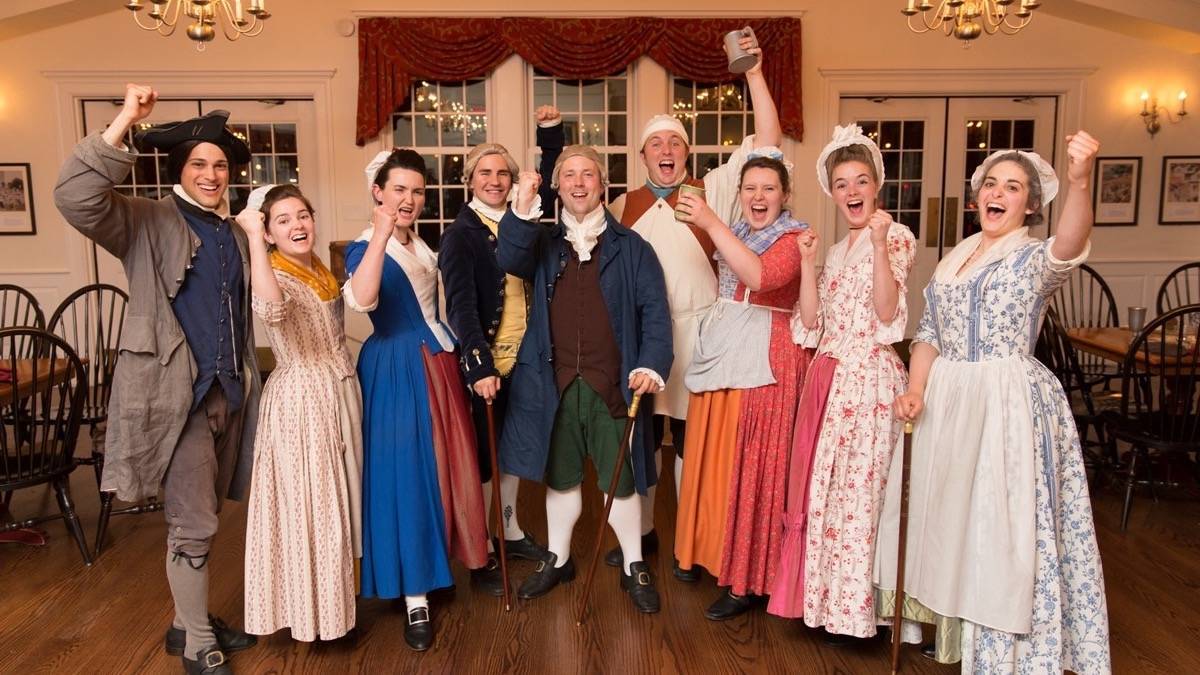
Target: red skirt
458 468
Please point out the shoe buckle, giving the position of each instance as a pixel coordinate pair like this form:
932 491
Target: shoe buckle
643 578
418 615
214 658
540 566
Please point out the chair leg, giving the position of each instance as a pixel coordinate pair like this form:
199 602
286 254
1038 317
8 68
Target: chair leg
1129 489
63 491
106 501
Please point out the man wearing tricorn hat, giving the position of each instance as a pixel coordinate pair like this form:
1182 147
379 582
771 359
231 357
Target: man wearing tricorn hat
598 332
185 391
686 251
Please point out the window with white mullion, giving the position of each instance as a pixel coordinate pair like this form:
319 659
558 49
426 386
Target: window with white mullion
442 121
596 113
717 117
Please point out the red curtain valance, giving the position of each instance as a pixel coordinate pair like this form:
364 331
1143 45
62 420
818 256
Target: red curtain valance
392 52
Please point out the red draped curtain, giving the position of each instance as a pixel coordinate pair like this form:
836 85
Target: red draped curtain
392 52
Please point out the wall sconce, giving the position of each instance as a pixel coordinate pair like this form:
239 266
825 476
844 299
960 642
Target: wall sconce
1151 110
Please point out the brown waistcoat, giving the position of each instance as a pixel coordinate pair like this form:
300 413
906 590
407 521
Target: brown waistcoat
584 343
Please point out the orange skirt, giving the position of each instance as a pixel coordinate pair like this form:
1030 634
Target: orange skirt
709 451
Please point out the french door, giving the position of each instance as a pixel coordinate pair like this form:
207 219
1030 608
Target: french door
931 146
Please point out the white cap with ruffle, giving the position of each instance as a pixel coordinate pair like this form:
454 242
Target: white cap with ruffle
844 137
1046 175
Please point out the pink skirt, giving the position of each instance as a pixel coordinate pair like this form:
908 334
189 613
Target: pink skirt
787 596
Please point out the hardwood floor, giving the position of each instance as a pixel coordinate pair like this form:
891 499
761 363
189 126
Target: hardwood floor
61 617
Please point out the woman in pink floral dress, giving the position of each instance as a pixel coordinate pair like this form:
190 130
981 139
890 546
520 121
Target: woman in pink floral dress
845 427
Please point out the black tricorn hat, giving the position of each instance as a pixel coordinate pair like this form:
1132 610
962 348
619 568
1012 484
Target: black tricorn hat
209 128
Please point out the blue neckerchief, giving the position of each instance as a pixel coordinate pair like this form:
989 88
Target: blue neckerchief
755 240
661 192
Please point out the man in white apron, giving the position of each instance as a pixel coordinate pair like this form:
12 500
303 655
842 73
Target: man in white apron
686 256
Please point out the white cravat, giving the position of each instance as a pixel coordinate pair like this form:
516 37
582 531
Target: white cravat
582 234
495 214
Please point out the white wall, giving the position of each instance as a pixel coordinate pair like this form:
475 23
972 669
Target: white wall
36 123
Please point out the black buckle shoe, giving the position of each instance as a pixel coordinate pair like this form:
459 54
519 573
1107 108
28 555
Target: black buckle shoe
688 576
525 548
614 558
230 639
639 584
418 632
546 576
488 578
728 606
210 661
929 651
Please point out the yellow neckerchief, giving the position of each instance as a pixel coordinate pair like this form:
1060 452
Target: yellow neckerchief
319 278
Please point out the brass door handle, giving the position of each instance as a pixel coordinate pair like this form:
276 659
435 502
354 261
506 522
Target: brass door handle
933 218
950 223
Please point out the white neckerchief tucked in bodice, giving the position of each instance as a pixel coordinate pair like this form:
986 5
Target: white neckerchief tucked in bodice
948 269
583 234
477 205
420 266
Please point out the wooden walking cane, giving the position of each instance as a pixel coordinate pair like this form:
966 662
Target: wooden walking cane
622 451
500 552
898 616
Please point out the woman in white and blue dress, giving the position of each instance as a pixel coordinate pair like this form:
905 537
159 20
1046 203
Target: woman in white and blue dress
1001 540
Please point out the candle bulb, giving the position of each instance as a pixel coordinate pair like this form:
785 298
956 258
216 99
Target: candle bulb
237 11
1145 103
1182 102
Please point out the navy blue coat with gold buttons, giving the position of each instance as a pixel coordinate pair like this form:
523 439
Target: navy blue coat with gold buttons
473 280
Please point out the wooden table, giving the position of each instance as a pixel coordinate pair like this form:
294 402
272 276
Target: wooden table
24 382
25 386
1113 344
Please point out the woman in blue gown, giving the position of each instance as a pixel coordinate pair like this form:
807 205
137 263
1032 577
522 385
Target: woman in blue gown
422 503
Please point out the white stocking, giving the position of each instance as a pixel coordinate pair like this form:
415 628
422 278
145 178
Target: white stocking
562 511
625 520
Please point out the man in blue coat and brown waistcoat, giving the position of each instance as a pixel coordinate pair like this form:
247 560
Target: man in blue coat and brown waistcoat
599 331
185 390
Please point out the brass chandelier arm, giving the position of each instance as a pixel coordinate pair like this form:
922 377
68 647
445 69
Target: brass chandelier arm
249 28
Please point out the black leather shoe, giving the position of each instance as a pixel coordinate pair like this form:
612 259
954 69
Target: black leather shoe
690 576
488 578
418 632
728 606
230 639
614 558
525 549
639 584
929 651
546 576
210 661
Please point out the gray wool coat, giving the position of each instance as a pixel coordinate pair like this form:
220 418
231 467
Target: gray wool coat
152 385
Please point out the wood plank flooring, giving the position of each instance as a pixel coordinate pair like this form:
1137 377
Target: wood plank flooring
58 616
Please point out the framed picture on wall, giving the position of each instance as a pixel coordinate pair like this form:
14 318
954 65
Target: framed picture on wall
1179 201
1117 193
16 200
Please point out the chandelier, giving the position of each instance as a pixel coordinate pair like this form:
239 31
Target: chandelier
235 19
968 19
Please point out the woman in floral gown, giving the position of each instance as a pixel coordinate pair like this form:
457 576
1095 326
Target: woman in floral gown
1000 524
845 427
